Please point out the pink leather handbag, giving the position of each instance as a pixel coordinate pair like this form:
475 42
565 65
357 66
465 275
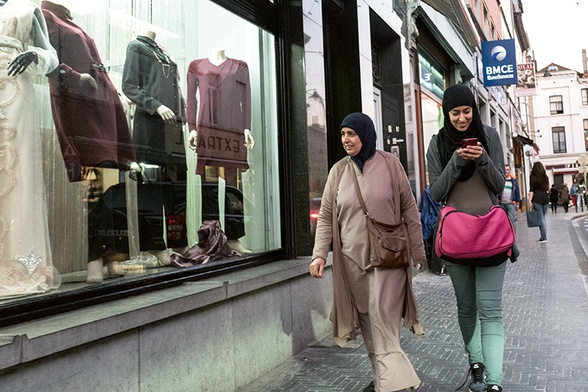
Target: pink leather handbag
479 240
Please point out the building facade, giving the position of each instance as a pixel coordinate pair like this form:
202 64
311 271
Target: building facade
264 84
561 121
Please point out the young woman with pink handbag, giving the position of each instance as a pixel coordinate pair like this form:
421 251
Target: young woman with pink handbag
466 171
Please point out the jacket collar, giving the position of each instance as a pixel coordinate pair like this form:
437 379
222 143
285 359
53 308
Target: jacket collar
57 9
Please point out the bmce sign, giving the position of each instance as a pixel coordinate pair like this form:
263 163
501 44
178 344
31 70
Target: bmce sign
500 62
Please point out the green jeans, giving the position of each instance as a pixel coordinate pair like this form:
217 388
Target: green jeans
479 310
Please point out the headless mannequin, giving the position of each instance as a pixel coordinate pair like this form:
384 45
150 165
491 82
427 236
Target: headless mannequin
166 113
217 57
169 117
94 273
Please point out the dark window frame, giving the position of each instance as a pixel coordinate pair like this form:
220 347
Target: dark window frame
558 138
585 122
556 104
584 93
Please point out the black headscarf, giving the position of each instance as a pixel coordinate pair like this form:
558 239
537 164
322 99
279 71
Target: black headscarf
449 138
363 125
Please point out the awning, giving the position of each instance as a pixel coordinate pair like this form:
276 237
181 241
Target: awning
522 140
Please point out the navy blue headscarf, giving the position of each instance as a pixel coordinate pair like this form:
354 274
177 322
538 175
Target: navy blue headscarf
363 125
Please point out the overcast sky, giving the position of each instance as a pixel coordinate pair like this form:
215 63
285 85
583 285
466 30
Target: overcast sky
557 31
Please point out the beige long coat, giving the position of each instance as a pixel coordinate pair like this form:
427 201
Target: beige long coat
375 300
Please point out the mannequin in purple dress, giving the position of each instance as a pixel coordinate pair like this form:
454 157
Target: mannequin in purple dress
220 121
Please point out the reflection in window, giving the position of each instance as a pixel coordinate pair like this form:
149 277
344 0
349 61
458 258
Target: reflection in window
432 118
316 119
167 168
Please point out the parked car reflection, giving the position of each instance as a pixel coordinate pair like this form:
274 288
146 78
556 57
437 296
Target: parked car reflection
107 220
315 206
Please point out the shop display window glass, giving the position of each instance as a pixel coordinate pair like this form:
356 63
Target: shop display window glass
160 115
432 87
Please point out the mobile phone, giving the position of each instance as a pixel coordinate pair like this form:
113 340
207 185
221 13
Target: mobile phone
472 141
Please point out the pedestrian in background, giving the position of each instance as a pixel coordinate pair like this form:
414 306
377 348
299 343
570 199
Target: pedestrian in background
553 198
470 179
564 196
511 195
538 197
574 194
372 299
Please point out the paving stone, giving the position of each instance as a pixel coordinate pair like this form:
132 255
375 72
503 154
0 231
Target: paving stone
545 315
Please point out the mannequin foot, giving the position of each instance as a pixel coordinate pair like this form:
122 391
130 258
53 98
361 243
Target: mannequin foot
114 269
94 271
181 250
162 256
238 246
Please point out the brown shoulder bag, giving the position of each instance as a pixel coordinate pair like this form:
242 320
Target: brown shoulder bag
388 243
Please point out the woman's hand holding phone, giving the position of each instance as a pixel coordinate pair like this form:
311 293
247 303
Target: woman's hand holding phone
469 149
472 141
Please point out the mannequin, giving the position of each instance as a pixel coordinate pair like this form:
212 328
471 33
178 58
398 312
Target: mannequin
151 81
224 114
220 121
26 265
89 117
217 57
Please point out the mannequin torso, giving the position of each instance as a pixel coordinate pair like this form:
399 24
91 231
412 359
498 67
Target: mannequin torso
218 56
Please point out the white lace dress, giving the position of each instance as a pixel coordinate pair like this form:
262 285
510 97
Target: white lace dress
25 253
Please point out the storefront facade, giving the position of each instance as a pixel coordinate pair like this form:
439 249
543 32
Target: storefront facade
207 110
231 113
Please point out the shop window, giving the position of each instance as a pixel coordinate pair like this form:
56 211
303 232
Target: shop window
172 120
316 112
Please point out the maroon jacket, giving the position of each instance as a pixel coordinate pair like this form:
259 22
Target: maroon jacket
91 124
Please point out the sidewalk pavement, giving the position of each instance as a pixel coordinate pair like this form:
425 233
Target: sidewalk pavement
545 318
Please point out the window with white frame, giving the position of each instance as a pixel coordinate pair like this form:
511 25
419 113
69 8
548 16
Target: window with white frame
556 104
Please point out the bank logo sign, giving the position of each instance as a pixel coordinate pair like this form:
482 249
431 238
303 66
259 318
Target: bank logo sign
499 61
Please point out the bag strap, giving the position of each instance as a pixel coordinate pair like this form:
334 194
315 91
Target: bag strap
358 191
360 197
